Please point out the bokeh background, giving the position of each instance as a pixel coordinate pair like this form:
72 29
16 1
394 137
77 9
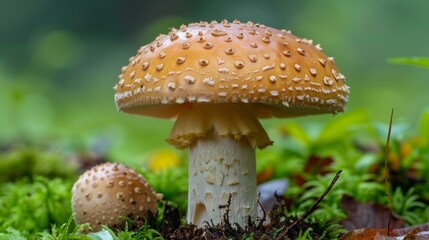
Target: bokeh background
60 59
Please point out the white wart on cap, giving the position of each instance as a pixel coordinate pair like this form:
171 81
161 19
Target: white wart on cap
107 193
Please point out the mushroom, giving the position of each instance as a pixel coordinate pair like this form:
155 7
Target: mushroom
107 193
217 79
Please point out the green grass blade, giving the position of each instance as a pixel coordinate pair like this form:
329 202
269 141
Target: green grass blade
413 61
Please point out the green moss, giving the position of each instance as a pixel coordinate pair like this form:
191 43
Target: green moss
34 206
27 163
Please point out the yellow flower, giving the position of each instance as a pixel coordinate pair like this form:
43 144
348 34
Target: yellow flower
163 159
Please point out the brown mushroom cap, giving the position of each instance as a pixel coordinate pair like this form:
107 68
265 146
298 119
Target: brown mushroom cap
107 193
280 74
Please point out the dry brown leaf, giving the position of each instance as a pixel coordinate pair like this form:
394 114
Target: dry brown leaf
418 232
367 215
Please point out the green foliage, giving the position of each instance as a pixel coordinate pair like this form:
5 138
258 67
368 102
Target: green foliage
34 207
28 163
145 232
323 227
408 206
332 139
172 183
248 237
362 187
413 61
424 129
64 232
304 235
12 234
328 228
423 152
295 143
362 175
329 207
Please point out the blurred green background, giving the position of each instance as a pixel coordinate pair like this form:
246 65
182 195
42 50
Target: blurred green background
60 59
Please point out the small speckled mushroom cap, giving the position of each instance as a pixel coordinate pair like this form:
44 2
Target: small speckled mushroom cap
107 193
223 76
276 73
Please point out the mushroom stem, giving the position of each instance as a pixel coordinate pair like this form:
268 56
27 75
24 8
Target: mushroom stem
221 139
220 167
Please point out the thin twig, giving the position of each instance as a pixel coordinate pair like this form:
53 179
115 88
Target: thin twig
264 217
386 173
311 209
225 217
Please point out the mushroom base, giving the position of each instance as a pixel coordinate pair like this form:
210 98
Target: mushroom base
220 167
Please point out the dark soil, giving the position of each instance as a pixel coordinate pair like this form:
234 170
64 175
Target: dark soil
281 226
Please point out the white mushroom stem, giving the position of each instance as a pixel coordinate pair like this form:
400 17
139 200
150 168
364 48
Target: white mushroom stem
221 139
220 167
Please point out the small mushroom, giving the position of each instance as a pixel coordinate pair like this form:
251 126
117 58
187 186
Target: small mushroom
107 193
217 106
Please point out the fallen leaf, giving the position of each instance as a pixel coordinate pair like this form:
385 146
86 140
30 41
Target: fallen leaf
367 215
362 234
418 232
